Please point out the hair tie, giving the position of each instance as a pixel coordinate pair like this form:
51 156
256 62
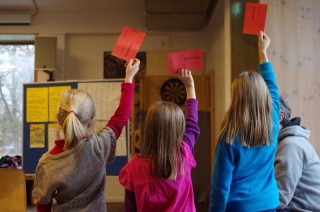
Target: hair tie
72 111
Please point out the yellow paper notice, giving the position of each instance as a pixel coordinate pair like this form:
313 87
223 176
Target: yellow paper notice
37 105
54 100
37 136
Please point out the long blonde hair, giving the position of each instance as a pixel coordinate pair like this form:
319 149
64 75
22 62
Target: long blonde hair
76 110
249 114
163 132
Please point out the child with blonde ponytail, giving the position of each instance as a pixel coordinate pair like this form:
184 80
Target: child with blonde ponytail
74 171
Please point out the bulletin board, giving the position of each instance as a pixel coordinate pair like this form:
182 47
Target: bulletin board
40 106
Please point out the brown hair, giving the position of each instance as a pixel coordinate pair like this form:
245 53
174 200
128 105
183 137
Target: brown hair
76 110
163 133
249 114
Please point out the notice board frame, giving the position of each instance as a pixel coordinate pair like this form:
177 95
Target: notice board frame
31 156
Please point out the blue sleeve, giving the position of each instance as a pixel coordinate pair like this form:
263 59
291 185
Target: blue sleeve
269 77
192 129
221 176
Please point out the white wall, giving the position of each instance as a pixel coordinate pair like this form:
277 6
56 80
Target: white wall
84 52
84 36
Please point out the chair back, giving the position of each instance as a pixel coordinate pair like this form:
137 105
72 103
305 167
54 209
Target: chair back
13 190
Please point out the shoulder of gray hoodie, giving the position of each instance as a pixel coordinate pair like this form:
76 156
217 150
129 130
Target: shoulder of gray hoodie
294 148
296 138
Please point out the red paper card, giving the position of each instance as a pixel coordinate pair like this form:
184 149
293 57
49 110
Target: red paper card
190 59
128 43
255 18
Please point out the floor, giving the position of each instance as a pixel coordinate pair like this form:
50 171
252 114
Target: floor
118 207
111 207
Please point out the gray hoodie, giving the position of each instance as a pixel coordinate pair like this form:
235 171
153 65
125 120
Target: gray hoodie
297 170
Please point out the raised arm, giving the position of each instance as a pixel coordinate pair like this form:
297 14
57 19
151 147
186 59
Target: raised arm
131 69
267 73
263 44
192 128
186 77
265 66
122 114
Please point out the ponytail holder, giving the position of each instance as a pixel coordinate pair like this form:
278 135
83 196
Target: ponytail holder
72 111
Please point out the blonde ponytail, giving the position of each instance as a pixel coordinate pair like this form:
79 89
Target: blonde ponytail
77 109
73 131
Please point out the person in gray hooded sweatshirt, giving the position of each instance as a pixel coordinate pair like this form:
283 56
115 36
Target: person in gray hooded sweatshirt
297 165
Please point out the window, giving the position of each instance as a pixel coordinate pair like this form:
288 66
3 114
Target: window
16 68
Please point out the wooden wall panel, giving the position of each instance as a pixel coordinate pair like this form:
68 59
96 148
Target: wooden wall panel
219 60
152 86
157 63
244 47
147 91
213 124
294 30
201 175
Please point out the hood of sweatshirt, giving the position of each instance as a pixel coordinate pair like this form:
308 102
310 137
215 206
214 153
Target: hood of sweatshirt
293 131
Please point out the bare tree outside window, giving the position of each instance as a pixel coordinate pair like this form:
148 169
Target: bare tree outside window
16 68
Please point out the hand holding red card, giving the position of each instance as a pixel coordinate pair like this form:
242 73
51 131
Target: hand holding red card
190 59
255 18
128 43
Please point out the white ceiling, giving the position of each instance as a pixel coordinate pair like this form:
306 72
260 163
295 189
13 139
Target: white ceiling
160 15
15 5
67 6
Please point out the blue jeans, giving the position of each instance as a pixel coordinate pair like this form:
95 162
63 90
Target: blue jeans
271 210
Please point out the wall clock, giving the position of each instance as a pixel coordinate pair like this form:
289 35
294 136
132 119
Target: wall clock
173 90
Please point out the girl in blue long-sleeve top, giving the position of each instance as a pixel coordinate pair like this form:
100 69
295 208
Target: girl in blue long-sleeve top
243 175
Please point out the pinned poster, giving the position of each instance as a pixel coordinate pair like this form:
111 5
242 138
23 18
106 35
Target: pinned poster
190 59
128 43
37 136
255 18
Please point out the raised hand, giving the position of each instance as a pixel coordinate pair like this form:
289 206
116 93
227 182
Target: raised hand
131 69
264 41
263 44
186 77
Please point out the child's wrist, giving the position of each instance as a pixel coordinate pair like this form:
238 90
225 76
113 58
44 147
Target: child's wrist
190 86
263 51
128 79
